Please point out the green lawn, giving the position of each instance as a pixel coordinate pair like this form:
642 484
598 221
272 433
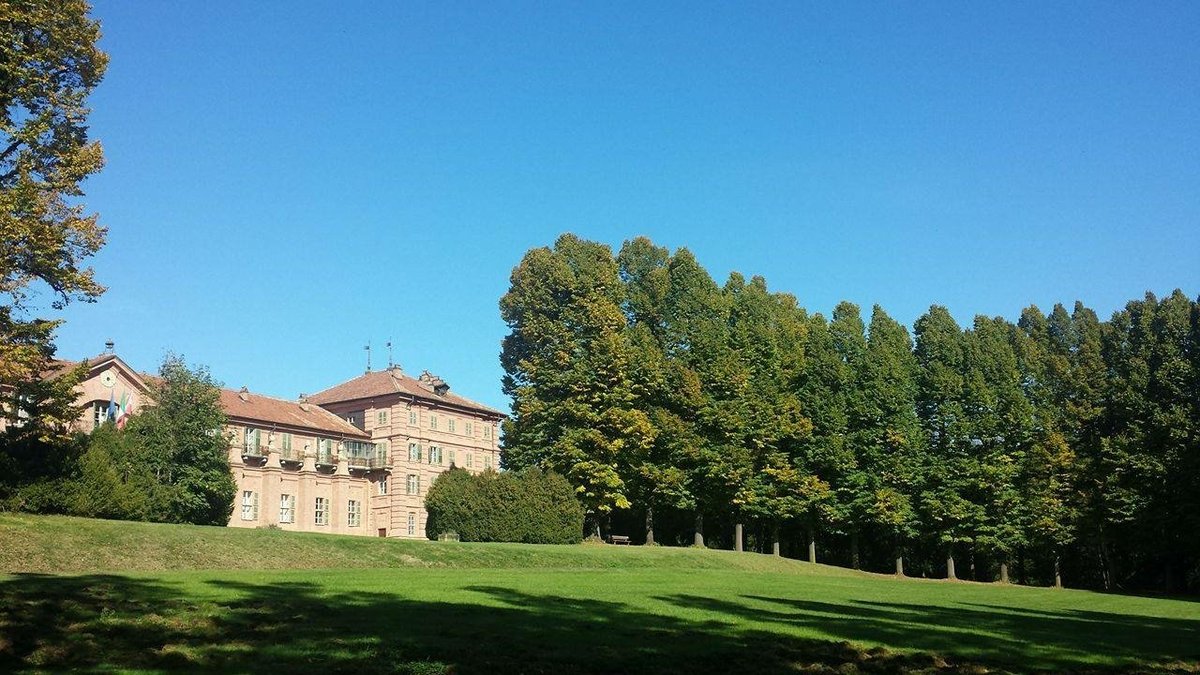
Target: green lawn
464 608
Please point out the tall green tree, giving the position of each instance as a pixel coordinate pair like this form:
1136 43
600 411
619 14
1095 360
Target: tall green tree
949 502
887 438
567 369
50 66
181 440
662 389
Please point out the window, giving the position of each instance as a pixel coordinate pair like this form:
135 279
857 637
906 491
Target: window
353 513
432 421
249 505
324 451
468 428
99 412
287 508
487 461
252 438
285 441
414 452
382 485
450 425
412 417
435 454
470 461
412 485
412 523
321 513
451 456
487 431
381 418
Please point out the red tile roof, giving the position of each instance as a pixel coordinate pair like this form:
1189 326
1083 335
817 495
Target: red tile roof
248 406
393 381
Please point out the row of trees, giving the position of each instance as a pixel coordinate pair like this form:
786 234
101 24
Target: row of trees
169 464
1061 443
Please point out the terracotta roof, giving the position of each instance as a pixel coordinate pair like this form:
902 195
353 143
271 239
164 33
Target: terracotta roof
394 381
244 405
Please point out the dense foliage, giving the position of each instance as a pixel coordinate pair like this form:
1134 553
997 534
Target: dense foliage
1061 444
530 506
50 65
169 464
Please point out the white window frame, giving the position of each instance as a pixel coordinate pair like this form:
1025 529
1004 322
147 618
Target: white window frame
249 505
287 508
412 523
321 511
412 484
382 486
433 421
353 513
414 452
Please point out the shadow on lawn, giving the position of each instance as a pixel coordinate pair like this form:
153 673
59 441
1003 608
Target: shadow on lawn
105 622
1003 636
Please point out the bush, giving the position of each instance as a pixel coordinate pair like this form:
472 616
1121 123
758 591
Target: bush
530 507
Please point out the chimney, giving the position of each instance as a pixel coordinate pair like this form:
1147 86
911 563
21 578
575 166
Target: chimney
244 394
109 345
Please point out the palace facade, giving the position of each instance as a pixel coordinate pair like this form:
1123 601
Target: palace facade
356 458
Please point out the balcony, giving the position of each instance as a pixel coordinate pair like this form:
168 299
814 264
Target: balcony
326 458
254 452
293 455
365 456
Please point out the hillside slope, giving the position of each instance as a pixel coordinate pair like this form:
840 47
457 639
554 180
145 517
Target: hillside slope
61 544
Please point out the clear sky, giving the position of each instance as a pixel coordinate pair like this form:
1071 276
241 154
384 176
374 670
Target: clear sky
287 181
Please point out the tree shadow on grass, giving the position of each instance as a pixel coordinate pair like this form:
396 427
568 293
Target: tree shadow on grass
1003 636
107 622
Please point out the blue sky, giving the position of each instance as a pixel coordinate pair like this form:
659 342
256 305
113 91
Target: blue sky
288 181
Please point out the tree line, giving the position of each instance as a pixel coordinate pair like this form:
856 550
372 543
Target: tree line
1057 446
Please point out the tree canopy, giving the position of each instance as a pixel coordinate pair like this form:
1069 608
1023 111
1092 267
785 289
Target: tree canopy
1056 446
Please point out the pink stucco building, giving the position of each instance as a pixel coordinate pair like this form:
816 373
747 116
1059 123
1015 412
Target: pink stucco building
356 458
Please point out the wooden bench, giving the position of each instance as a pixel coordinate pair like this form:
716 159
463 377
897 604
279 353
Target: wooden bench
618 539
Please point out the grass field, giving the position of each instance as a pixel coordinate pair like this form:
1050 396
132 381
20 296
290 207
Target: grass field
156 597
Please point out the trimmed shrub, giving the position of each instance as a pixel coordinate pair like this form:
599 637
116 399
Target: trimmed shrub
529 506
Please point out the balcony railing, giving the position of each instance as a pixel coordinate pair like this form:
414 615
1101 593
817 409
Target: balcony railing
365 455
326 457
256 451
292 455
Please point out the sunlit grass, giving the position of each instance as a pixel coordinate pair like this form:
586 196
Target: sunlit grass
434 608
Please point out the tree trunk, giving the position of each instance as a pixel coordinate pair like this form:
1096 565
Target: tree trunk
775 539
1003 572
854 550
737 537
899 562
649 525
950 565
812 545
699 541
1057 573
1109 572
971 562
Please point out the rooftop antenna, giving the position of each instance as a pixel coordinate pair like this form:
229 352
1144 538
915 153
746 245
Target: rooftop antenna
389 346
368 348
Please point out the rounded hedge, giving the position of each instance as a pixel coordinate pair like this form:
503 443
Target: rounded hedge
530 506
